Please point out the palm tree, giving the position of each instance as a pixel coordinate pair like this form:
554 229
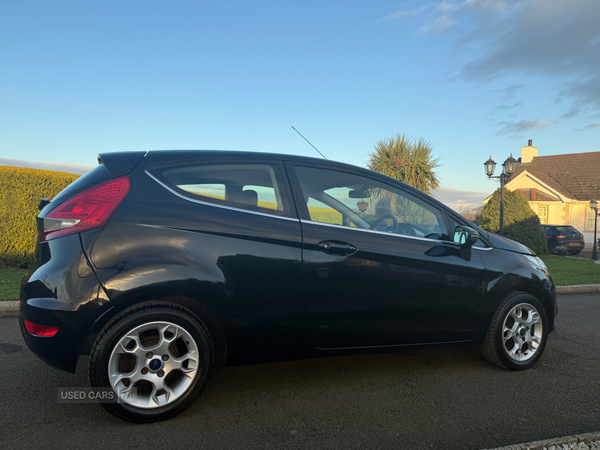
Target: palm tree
408 160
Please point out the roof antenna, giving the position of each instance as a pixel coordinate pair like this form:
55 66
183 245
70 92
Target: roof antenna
309 142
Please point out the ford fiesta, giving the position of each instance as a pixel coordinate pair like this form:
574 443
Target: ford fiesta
162 265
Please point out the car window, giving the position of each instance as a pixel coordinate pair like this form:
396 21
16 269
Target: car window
256 187
346 199
566 230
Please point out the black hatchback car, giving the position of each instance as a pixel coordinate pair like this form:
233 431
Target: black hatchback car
563 239
161 265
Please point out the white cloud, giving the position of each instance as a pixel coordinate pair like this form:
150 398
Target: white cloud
512 129
407 14
556 40
589 127
455 198
59 167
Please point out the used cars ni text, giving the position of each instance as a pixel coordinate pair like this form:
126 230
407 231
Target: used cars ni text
161 265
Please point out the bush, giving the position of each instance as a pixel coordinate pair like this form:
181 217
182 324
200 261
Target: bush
528 232
516 208
521 224
21 190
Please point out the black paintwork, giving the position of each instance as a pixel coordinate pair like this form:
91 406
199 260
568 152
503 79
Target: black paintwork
572 241
263 282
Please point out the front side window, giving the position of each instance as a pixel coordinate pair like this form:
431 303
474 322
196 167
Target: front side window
341 198
255 187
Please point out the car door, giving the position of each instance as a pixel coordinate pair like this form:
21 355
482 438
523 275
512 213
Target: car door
379 266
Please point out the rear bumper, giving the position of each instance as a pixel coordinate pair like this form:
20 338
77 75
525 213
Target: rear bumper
61 350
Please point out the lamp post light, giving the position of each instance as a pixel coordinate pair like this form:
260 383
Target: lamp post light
594 206
508 168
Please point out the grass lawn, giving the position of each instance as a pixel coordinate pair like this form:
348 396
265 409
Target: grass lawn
567 271
10 283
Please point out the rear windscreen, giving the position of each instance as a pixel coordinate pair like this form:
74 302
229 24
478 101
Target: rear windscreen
566 230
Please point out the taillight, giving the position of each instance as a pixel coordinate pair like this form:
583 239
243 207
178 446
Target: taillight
40 330
89 209
560 236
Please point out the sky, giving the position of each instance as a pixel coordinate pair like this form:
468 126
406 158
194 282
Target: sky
477 78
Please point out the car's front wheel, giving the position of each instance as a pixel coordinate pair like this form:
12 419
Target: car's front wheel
518 332
156 359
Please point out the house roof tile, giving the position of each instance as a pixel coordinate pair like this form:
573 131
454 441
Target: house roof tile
575 175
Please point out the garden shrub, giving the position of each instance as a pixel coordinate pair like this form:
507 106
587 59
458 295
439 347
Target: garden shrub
530 233
21 190
521 224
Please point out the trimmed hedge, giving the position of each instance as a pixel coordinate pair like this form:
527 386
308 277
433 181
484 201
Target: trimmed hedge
21 190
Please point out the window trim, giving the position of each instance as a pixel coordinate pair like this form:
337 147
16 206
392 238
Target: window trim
218 205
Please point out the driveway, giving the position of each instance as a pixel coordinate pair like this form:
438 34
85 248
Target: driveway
444 397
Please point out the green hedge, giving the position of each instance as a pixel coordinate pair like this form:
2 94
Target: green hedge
528 232
21 190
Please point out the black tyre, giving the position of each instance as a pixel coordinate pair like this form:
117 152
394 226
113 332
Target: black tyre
155 358
518 332
574 252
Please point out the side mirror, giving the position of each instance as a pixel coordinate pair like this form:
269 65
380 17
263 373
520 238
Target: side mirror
465 236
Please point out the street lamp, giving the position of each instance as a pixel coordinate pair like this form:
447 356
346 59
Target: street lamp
594 206
508 168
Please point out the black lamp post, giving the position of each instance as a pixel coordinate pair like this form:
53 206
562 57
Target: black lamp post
508 168
594 206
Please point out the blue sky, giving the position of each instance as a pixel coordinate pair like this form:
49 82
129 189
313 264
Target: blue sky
475 77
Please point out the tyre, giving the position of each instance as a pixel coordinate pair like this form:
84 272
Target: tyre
518 332
574 252
155 358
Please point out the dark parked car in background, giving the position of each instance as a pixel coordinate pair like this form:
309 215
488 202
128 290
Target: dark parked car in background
563 239
162 265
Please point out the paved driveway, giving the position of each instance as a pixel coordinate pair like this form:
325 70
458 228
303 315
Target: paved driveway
427 397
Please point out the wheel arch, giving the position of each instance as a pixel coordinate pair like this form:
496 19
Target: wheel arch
547 298
204 313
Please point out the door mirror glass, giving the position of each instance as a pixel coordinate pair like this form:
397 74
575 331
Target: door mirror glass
465 236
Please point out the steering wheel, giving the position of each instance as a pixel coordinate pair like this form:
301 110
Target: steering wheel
382 218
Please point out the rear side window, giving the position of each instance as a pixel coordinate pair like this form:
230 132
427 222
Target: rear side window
254 187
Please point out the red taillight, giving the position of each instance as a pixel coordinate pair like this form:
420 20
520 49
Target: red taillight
40 330
89 209
560 236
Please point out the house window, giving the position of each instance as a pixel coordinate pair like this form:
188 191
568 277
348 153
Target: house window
589 223
543 214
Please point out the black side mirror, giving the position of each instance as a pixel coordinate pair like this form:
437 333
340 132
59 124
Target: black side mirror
465 236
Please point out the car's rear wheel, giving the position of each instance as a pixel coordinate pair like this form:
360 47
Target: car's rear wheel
518 332
156 359
574 252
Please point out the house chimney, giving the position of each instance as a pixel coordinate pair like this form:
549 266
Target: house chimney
528 153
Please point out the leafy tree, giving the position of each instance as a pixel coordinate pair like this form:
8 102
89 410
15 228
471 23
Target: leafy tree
408 160
521 224
516 208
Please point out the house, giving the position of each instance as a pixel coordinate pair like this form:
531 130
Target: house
559 187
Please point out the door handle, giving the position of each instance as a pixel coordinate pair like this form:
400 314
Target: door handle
337 248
